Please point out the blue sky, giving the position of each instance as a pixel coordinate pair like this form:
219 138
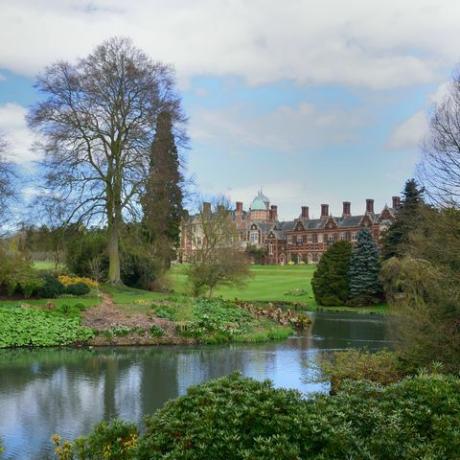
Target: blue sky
313 103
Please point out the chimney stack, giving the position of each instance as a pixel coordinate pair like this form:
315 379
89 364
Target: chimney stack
346 209
369 206
305 214
324 210
396 202
273 212
206 207
239 206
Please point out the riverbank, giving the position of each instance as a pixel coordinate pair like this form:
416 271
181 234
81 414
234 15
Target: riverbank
125 316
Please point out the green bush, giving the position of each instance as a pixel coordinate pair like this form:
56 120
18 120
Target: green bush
84 247
330 281
236 418
109 441
20 327
382 367
50 288
77 289
157 331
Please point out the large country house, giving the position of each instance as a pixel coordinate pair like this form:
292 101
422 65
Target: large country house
298 240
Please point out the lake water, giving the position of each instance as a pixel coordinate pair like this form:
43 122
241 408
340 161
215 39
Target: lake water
67 391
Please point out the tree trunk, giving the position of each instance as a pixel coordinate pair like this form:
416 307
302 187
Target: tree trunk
114 256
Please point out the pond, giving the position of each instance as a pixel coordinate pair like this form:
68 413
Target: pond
67 391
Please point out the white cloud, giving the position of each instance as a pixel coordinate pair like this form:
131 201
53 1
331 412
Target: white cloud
410 133
442 91
365 43
283 130
18 136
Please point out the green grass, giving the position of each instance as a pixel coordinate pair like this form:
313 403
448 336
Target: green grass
46 265
289 283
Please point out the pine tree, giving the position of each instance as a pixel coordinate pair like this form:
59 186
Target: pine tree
330 280
162 201
396 238
365 287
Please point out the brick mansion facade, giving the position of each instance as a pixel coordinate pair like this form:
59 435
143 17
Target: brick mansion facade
299 240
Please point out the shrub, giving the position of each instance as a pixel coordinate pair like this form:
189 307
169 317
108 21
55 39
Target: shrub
77 289
85 247
51 287
67 280
381 367
157 331
116 440
330 281
138 268
236 418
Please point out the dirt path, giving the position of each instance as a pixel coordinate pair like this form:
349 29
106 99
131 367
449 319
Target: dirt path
106 316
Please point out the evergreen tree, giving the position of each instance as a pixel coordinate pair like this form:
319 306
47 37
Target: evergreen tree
396 238
162 201
330 280
365 287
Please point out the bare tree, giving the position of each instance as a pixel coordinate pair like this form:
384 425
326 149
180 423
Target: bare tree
218 257
6 181
98 121
439 170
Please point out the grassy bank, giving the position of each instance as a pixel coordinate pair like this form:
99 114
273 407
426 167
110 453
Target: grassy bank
127 316
289 283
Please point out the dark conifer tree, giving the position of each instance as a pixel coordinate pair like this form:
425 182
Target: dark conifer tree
330 280
396 238
365 286
162 201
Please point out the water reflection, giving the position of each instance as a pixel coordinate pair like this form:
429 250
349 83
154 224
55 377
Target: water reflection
67 391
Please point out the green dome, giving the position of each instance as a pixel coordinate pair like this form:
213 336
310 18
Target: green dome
260 202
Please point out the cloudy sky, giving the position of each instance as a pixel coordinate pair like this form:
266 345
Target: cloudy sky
312 101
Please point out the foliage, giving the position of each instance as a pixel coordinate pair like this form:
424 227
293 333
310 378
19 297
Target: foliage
218 259
139 267
16 273
156 331
116 440
424 291
381 367
425 306
20 327
67 280
365 286
51 287
330 281
236 418
85 246
395 240
77 289
162 200
256 254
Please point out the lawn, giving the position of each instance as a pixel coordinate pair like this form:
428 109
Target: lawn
289 283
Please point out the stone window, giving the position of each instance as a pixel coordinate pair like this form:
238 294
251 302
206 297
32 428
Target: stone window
254 237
